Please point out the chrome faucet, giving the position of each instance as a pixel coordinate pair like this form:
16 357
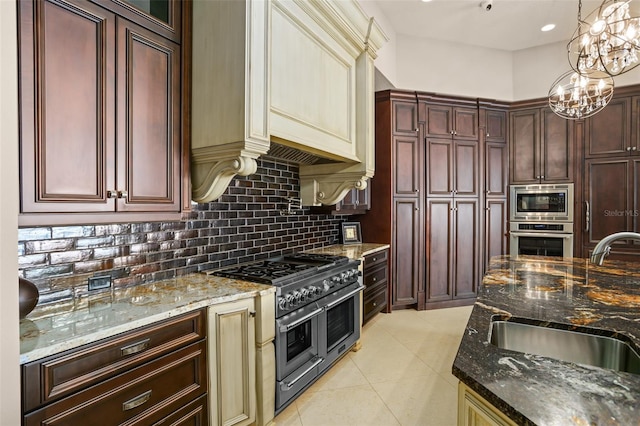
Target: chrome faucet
602 249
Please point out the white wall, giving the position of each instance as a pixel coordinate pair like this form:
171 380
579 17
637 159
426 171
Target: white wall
458 69
9 334
454 69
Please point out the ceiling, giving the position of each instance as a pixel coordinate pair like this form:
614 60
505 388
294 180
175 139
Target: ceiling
509 25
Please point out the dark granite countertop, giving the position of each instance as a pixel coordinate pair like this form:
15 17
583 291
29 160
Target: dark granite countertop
571 294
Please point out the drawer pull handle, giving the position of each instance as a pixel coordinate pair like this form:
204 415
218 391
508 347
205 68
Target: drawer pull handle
375 258
134 348
137 401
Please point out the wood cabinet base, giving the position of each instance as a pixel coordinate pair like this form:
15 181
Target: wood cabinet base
474 410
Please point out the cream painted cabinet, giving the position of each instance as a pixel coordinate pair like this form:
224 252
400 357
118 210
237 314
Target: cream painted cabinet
232 366
299 73
242 362
473 410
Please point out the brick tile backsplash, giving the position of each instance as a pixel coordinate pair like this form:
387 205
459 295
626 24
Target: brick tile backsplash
242 226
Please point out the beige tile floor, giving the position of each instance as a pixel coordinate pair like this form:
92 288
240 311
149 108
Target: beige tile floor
401 376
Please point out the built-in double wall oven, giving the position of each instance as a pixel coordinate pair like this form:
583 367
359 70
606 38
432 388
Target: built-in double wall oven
541 220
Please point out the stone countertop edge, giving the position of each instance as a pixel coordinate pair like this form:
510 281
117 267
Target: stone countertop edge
55 328
352 251
570 294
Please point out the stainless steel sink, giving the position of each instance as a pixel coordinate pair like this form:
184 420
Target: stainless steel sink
565 345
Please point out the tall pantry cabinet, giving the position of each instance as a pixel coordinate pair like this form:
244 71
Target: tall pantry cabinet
396 217
429 194
452 230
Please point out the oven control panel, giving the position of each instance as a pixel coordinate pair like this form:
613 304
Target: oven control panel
289 298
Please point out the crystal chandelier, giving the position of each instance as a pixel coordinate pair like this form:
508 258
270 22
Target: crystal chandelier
584 90
611 40
577 95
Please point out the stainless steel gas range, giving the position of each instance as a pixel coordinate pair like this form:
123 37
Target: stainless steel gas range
317 314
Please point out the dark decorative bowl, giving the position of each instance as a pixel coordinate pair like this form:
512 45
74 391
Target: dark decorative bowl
28 296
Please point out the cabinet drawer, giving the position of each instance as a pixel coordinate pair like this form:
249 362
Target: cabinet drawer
374 304
376 258
375 277
51 378
141 396
192 414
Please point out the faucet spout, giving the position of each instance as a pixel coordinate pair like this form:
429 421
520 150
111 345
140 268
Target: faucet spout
602 249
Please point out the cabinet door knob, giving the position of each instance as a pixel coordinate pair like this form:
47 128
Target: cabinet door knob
542 177
123 194
451 131
488 192
374 259
634 148
112 194
488 135
628 148
375 304
417 208
374 279
416 191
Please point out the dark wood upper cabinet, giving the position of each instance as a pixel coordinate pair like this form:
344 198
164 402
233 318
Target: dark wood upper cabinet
405 118
495 125
67 100
148 122
609 131
101 108
541 147
458 122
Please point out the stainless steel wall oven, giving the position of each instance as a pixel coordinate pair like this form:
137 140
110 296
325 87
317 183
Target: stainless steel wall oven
541 220
317 315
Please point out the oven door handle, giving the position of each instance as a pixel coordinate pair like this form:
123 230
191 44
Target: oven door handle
287 327
346 296
541 234
288 385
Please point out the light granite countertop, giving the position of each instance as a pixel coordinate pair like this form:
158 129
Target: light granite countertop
52 329
352 251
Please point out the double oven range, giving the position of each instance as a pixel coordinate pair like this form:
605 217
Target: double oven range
317 314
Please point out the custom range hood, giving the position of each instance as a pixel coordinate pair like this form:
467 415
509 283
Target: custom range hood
296 73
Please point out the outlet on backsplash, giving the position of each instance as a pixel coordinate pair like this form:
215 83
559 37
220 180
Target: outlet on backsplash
100 282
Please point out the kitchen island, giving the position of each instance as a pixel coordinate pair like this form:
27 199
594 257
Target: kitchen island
569 294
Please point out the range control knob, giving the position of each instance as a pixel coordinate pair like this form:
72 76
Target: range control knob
305 293
326 285
290 299
298 296
282 302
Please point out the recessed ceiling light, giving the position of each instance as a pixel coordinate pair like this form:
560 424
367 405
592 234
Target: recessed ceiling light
548 27
426 1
